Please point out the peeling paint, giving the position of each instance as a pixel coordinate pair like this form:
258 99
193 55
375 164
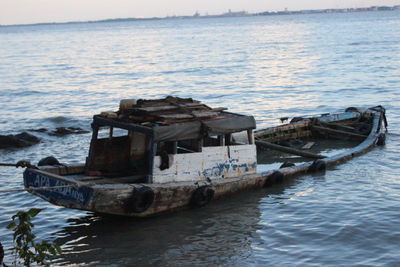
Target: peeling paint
212 162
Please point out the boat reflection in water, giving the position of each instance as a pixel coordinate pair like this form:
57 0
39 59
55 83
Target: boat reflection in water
220 233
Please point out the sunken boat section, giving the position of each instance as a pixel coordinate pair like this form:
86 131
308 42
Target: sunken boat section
156 156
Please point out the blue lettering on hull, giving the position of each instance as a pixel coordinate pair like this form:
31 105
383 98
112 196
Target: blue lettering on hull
78 195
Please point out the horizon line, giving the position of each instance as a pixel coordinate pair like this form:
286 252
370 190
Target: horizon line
230 13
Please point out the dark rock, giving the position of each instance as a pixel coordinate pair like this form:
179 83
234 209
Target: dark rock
28 137
61 131
19 140
41 130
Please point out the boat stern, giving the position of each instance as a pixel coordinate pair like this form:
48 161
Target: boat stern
57 189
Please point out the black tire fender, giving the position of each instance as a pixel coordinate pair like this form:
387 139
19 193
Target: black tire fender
141 200
381 139
275 178
287 164
317 166
201 196
351 109
48 161
296 119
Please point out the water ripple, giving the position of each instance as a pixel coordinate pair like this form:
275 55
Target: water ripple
270 67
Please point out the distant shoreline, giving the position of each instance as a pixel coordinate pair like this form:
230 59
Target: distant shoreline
229 14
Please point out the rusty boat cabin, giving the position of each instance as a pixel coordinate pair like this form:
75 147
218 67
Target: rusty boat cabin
152 156
169 140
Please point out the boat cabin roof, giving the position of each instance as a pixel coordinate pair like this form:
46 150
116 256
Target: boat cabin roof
174 119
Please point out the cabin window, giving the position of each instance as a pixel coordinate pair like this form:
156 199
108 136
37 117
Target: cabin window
169 147
189 146
241 138
104 132
109 132
119 132
178 147
214 141
110 153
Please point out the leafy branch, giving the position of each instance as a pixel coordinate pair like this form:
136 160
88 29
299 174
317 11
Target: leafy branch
26 248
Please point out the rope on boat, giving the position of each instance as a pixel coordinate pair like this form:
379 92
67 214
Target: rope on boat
36 188
21 163
27 164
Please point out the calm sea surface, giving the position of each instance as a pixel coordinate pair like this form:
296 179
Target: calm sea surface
60 75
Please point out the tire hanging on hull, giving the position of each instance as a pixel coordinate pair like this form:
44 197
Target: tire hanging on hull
202 196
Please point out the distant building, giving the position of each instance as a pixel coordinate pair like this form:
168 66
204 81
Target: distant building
235 14
384 8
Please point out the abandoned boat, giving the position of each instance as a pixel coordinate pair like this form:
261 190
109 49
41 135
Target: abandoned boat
155 156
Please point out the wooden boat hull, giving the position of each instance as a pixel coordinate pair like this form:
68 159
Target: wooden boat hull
142 200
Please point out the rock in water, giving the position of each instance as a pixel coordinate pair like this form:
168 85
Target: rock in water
19 140
61 131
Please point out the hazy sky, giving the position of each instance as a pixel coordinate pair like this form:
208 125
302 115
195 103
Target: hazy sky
35 11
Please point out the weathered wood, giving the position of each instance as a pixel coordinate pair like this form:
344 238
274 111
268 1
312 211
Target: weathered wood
284 132
338 132
338 126
292 127
308 145
194 114
250 136
169 107
289 150
217 109
286 136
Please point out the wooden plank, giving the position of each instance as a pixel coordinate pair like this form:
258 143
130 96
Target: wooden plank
338 126
176 116
169 107
165 101
308 145
284 137
338 132
288 150
298 126
194 114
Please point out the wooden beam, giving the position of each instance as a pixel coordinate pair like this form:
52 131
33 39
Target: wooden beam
337 126
308 145
169 107
194 114
338 132
250 136
288 150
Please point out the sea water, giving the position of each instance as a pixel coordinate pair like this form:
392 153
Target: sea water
59 75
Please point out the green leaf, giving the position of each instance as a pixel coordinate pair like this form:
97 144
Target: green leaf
11 225
58 249
25 248
33 212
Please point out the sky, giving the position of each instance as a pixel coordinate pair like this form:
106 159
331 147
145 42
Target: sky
38 11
